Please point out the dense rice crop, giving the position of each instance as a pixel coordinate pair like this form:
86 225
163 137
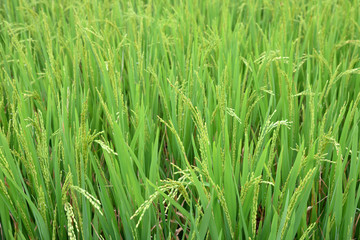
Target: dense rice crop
179 119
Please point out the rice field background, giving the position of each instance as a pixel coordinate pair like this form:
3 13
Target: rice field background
179 119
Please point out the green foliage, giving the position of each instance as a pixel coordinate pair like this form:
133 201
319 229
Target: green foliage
179 119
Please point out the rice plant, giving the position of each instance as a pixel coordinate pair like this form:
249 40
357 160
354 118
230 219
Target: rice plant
179 119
